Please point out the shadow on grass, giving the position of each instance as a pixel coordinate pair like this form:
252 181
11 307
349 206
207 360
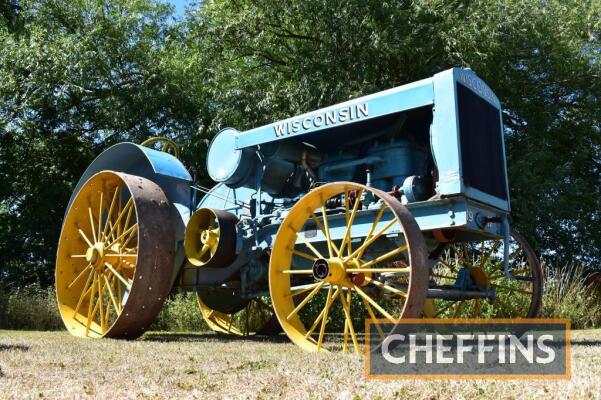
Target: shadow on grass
585 342
7 347
210 337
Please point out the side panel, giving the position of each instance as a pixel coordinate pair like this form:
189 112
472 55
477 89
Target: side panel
413 95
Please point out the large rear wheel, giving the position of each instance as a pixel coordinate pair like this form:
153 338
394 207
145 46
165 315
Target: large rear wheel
115 256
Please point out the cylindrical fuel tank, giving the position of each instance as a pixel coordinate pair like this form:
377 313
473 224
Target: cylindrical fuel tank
229 165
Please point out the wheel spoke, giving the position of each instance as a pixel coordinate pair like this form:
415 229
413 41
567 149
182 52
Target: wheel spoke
109 214
318 319
326 231
79 276
347 234
373 317
492 250
92 225
298 272
309 245
86 290
100 214
386 287
379 270
347 312
458 307
477 308
324 319
445 308
129 230
117 223
384 256
305 300
132 235
453 268
372 239
304 255
203 250
373 225
130 212
118 275
83 235
305 289
346 219
91 305
112 295
100 302
373 303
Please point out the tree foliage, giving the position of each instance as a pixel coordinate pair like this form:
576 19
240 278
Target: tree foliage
77 76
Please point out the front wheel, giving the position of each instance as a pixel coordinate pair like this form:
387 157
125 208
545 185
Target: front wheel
345 253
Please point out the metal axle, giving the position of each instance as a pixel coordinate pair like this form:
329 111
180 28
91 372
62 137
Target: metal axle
450 293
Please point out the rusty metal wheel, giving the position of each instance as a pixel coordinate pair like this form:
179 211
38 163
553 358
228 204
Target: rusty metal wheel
115 256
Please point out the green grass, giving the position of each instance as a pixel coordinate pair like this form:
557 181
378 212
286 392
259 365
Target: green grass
34 308
567 295
30 307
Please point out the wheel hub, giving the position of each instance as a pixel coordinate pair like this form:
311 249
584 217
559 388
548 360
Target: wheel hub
331 270
209 237
95 255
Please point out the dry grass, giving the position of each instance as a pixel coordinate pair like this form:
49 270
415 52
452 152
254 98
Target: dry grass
56 365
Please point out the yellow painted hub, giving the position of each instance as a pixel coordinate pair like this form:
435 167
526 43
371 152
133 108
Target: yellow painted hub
334 271
201 237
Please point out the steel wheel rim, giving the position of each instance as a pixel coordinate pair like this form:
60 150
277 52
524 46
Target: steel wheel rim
513 299
133 281
345 291
102 261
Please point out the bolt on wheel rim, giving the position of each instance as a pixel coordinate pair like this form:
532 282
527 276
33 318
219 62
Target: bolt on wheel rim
323 292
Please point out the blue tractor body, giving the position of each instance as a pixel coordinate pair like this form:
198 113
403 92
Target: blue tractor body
370 198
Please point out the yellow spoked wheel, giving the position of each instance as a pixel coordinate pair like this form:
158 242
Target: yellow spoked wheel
210 239
479 266
257 317
323 286
163 144
115 256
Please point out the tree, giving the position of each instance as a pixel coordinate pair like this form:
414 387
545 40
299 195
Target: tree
276 59
77 77
80 75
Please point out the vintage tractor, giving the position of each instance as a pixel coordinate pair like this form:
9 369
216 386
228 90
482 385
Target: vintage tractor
392 205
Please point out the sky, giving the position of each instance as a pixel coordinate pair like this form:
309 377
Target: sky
179 6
